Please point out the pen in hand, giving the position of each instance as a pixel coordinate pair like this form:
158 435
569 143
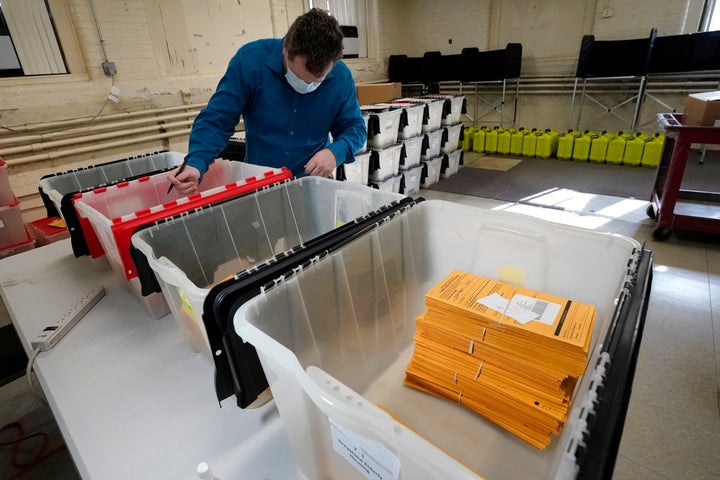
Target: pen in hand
179 171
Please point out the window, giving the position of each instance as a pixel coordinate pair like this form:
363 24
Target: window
352 16
711 16
28 42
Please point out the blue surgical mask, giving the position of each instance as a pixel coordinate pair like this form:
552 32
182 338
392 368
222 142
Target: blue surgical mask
300 85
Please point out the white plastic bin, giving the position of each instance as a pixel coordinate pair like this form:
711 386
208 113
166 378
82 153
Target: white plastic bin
357 171
412 180
436 139
192 252
391 184
431 171
453 114
332 363
451 163
453 138
385 162
434 114
383 125
413 151
414 115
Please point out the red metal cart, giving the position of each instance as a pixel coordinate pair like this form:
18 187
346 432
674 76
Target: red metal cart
672 207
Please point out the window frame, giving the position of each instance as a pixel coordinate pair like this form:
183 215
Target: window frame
63 27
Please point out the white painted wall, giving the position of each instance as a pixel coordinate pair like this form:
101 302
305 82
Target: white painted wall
172 52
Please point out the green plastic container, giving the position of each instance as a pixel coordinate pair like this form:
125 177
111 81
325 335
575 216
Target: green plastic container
581 148
634 147
546 144
478 142
598 148
653 150
529 143
467 140
516 141
615 149
503 145
491 140
566 142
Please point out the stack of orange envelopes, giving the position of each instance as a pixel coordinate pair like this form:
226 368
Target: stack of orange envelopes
511 354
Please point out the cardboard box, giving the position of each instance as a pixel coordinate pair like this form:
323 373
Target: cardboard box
378 92
702 109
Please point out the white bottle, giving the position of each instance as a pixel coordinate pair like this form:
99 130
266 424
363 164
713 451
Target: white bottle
204 472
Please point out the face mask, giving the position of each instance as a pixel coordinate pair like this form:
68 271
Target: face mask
300 85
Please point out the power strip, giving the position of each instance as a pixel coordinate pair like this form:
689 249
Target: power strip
52 334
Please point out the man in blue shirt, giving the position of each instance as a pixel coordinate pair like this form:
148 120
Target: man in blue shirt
292 93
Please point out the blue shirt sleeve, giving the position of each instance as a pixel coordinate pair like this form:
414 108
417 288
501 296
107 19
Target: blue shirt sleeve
348 129
216 123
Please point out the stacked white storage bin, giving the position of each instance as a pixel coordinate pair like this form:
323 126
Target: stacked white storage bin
386 154
14 236
451 151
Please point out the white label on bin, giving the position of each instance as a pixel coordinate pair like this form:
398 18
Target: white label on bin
372 459
2 224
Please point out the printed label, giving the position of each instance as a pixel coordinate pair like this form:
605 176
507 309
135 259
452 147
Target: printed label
372 459
522 308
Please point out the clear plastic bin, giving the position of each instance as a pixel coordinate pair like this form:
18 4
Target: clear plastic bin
452 141
47 230
383 125
116 211
385 162
27 243
451 163
336 366
6 194
436 139
431 171
12 227
413 151
411 179
192 252
57 190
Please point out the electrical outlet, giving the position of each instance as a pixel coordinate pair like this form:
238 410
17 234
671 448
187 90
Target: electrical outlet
114 95
53 333
607 13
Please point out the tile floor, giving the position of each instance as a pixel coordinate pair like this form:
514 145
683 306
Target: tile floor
672 429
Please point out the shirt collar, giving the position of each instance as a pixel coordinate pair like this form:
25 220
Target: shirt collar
275 61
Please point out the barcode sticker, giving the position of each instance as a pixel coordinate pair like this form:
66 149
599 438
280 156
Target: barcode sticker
524 309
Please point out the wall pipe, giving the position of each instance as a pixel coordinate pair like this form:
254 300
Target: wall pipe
95 148
112 116
36 147
95 128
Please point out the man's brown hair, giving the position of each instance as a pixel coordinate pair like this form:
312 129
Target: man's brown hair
317 36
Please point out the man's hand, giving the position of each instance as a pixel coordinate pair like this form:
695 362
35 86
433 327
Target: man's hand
187 182
322 164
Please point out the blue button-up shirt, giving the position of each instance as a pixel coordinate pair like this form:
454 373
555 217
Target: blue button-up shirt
282 127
